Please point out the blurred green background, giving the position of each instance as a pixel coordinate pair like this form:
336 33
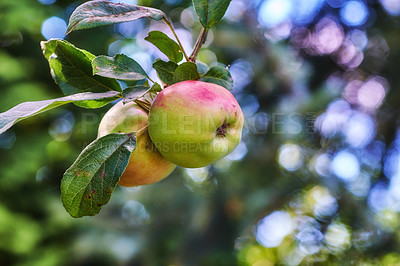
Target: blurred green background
315 181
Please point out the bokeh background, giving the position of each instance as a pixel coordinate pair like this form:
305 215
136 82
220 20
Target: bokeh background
315 180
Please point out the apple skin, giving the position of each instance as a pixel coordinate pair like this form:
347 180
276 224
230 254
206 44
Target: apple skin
194 123
122 118
146 164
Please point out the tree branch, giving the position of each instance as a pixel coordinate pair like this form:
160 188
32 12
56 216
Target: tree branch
200 41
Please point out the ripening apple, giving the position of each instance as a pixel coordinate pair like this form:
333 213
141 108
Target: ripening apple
146 164
194 123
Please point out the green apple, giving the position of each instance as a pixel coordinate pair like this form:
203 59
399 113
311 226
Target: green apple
146 164
194 123
123 118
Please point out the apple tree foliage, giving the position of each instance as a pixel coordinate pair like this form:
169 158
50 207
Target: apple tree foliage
91 81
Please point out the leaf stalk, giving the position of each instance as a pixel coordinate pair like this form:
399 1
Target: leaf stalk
145 106
176 37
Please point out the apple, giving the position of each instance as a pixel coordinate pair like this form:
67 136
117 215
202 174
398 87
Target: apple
195 123
146 164
122 118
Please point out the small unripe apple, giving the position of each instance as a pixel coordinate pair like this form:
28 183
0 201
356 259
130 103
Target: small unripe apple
122 118
194 123
146 164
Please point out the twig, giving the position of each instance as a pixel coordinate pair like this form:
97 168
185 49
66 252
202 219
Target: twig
200 41
176 37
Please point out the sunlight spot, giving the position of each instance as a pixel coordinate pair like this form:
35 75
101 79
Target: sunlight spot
345 165
336 115
359 38
354 13
328 36
322 164
141 56
337 238
290 157
309 235
238 153
235 11
359 186
42 174
54 27
273 12
391 6
198 175
123 247
372 93
324 203
272 229
378 198
242 73
359 130
305 10
135 213
7 140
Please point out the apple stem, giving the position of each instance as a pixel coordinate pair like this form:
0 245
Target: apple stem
145 106
200 41
176 37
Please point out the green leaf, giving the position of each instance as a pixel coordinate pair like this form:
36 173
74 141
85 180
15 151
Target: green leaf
87 185
135 92
71 69
118 67
166 45
152 93
28 109
219 75
99 13
131 83
155 88
165 70
186 71
210 12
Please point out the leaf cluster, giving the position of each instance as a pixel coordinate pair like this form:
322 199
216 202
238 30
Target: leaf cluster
91 81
